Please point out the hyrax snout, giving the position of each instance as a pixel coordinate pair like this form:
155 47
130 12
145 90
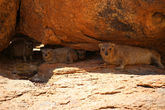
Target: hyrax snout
127 55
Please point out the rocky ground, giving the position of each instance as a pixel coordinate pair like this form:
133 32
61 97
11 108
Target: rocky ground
84 85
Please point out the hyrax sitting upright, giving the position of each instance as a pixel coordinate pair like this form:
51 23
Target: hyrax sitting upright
59 55
21 47
126 55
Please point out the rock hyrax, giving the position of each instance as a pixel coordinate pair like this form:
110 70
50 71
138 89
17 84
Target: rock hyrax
21 47
59 55
127 55
81 54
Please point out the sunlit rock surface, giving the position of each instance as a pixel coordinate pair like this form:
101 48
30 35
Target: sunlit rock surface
85 85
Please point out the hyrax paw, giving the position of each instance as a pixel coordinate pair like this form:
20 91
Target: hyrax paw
119 68
161 66
104 64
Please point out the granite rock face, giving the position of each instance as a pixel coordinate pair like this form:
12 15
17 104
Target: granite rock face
8 15
82 24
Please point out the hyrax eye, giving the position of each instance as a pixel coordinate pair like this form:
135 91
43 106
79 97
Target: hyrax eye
48 52
102 49
29 46
110 49
45 55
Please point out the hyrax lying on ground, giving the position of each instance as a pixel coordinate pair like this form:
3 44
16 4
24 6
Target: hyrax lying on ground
126 55
61 55
21 47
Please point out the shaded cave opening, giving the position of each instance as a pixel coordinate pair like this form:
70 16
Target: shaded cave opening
14 66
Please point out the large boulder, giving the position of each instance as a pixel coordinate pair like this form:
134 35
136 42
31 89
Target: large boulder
82 24
8 14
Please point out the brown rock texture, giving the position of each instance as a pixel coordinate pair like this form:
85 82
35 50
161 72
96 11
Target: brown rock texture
8 13
83 24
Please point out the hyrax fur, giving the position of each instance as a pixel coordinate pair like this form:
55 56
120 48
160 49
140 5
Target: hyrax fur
21 47
127 55
81 54
59 55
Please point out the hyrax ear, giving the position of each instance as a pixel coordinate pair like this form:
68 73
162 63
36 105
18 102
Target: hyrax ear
112 45
100 45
